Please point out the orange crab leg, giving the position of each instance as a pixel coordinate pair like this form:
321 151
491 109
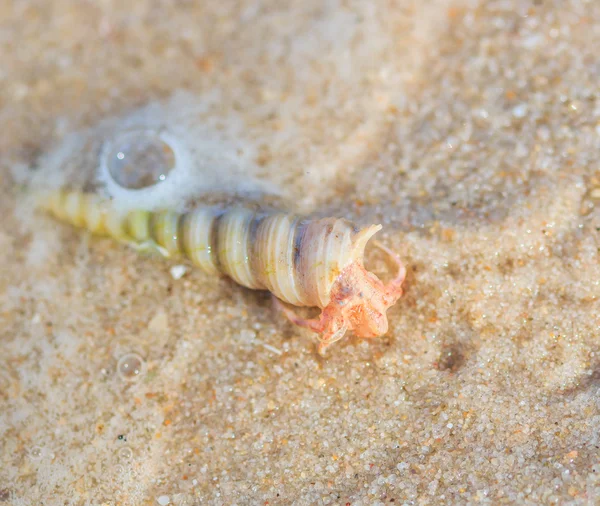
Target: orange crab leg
394 287
314 324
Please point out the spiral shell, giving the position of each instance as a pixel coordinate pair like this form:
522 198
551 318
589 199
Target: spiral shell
296 259
300 261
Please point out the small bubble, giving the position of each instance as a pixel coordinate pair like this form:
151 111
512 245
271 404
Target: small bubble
131 367
36 453
125 454
138 159
163 500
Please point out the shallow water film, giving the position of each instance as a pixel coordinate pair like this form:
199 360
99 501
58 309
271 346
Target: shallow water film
470 129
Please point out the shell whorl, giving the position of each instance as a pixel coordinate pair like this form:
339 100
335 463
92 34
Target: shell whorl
296 259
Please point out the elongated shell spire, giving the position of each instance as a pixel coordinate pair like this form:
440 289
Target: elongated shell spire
298 260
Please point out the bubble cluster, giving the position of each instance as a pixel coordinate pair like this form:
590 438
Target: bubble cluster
137 159
131 367
117 474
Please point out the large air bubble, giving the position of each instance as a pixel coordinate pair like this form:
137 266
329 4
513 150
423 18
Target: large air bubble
137 159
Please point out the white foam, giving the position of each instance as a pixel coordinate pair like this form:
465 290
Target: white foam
211 155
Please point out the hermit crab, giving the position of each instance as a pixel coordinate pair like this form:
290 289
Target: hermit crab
302 262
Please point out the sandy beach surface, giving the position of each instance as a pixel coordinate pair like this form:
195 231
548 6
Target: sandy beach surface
469 129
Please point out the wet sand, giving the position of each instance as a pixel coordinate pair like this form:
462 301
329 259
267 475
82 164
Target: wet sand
469 129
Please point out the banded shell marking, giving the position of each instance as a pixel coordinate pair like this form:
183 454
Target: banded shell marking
300 261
